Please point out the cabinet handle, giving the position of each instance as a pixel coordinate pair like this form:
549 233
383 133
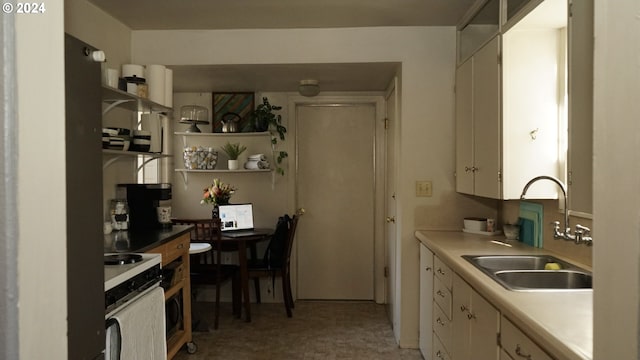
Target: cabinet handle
467 169
440 271
463 308
428 268
440 322
439 292
180 246
439 355
520 354
471 315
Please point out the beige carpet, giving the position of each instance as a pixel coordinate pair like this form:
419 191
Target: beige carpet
318 330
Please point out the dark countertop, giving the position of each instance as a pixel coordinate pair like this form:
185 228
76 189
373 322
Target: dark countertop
142 241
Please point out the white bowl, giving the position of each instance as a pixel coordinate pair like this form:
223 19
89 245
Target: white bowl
475 224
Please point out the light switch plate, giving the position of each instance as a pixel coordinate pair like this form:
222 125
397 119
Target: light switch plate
423 188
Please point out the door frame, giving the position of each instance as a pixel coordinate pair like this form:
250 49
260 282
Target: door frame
379 285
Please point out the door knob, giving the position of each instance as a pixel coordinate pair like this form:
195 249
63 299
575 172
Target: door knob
300 211
391 219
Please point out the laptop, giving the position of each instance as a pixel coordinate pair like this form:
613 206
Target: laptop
237 220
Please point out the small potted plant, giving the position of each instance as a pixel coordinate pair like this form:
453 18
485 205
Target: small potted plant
265 120
233 151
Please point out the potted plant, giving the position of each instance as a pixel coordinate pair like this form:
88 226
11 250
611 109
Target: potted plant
233 151
264 119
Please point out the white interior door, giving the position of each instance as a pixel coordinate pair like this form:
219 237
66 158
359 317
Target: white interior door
390 206
335 186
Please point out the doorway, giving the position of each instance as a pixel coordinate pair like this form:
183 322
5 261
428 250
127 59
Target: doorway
336 185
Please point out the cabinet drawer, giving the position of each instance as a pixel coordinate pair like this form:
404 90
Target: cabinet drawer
442 297
176 248
442 326
443 272
439 351
518 345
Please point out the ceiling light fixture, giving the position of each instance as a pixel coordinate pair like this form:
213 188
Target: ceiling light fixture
309 87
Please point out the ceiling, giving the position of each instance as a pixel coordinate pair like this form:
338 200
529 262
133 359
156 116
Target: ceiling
282 14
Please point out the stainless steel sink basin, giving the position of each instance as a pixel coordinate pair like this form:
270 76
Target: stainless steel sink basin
516 262
527 272
544 279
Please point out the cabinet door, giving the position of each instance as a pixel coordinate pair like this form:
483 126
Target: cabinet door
475 324
486 120
461 307
464 128
484 327
426 301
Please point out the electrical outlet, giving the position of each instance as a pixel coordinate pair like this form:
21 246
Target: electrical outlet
423 188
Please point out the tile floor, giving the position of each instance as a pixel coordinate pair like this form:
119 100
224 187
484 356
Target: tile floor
318 330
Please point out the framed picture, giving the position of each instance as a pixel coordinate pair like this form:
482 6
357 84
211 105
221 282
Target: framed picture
232 107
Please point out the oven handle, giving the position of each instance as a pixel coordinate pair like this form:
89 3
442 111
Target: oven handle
111 322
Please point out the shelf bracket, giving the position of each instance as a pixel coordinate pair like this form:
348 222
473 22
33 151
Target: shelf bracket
110 161
114 104
185 179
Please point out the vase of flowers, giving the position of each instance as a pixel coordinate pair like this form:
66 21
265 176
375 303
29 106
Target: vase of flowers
218 193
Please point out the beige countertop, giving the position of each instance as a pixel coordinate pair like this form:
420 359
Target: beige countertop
559 321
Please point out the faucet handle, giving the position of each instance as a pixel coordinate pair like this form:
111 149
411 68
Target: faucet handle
583 229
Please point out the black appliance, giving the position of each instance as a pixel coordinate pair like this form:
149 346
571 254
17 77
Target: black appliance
143 201
85 272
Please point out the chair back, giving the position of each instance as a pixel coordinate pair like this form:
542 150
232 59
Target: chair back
279 249
205 230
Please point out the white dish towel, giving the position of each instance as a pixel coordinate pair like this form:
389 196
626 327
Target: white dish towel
142 326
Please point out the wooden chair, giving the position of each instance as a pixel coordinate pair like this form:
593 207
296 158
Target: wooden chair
207 268
277 260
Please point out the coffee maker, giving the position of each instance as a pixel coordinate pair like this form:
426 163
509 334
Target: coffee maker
143 201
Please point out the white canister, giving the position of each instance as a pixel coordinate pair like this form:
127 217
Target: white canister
131 70
164 214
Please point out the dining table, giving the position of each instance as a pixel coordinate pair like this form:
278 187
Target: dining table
242 243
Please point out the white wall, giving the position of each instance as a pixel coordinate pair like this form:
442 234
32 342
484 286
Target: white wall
427 55
616 180
42 191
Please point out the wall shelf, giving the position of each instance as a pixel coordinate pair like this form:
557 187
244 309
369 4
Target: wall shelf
119 154
118 98
185 172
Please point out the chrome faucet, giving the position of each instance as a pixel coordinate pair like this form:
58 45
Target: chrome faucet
557 234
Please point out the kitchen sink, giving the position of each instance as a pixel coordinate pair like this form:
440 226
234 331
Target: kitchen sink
544 279
531 273
515 262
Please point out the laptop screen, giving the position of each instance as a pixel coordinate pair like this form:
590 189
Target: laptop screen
236 217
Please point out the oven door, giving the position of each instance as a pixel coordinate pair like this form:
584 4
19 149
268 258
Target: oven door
137 329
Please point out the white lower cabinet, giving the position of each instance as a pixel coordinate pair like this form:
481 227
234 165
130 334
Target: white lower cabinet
439 351
518 345
457 323
476 324
426 301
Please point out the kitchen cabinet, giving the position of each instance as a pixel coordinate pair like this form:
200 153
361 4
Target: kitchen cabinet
580 151
511 105
177 251
478 156
441 321
216 140
517 345
476 324
426 302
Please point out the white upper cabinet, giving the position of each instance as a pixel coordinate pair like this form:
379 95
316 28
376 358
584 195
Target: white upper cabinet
511 105
534 98
478 123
